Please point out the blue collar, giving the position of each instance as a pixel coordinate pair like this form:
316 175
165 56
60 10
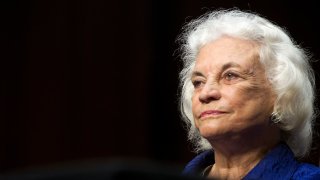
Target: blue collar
279 163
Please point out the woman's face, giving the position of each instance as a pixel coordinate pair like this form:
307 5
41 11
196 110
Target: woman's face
232 95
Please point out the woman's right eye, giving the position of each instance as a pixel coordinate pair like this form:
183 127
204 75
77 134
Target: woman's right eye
197 83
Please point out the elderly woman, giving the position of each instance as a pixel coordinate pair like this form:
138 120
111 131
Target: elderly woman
247 98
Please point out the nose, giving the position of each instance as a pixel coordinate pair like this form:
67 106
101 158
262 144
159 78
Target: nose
210 92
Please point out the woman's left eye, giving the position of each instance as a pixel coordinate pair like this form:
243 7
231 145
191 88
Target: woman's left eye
230 76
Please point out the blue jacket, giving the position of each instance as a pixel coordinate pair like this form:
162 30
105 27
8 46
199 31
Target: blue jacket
279 163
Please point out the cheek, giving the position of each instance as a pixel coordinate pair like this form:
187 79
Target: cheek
239 96
195 108
250 99
194 102
255 88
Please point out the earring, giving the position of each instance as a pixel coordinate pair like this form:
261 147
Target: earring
274 118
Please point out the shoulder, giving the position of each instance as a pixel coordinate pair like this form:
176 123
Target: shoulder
307 171
199 163
280 163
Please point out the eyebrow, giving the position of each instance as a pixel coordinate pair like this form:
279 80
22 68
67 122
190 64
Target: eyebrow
229 65
196 73
224 67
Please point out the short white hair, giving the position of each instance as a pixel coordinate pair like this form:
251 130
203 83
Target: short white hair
287 68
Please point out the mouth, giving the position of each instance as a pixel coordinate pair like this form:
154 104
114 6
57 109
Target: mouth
211 113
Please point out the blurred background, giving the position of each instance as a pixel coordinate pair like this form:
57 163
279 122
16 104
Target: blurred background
97 79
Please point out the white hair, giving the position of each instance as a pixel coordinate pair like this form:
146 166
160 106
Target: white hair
287 68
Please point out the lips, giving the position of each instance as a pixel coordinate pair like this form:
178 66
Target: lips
211 113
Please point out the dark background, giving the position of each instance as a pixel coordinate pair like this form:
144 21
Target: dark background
98 79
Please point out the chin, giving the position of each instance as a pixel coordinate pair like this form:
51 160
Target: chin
209 132
218 132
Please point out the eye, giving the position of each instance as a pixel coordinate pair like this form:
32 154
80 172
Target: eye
229 76
197 83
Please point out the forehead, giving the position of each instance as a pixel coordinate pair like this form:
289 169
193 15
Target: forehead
228 50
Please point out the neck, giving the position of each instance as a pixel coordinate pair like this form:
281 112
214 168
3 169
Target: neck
235 157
